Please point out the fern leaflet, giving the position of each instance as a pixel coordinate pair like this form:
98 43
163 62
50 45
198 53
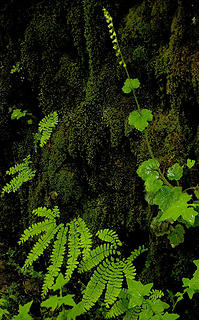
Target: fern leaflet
114 285
135 253
95 286
119 307
47 213
85 237
24 174
56 259
41 245
109 236
96 256
128 269
46 126
73 249
35 229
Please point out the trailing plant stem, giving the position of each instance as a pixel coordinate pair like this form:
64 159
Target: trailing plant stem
152 156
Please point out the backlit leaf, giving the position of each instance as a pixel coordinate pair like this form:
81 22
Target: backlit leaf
147 169
175 172
140 119
130 84
190 163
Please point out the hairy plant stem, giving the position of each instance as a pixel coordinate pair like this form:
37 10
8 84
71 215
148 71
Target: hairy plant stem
152 156
192 188
146 135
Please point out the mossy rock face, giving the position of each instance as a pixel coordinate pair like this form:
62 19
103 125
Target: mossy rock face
88 167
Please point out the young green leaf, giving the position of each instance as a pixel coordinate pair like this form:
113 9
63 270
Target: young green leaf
190 163
153 184
130 84
193 283
140 119
148 169
137 291
166 196
175 172
23 312
180 207
60 282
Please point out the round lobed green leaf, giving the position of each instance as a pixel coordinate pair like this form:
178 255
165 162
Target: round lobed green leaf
140 119
147 169
152 183
175 172
130 84
190 163
166 196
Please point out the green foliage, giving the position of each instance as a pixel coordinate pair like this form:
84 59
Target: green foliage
141 302
109 236
192 284
190 163
175 172
16 68
73 250
96 256
46 126
75 232
56 258
24 312
130 85
148 169
172 201
180 207
3 309
24 174
17 114
139 119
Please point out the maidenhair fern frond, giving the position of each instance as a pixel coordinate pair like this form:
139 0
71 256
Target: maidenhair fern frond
73 249
56 259
19 166
24 174
114 285
36 229
119 307
46 126
128 269
135 253
109 236
95 286
47 213
85 237
41 245
96 256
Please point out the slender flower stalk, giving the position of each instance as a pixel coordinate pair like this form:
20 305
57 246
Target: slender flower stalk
116 47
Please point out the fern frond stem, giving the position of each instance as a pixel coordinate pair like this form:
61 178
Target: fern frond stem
152 156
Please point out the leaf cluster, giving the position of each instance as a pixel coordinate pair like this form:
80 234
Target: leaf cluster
24 174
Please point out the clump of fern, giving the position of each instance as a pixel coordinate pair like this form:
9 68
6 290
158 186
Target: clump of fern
22 172
109 273
45 129
75 233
